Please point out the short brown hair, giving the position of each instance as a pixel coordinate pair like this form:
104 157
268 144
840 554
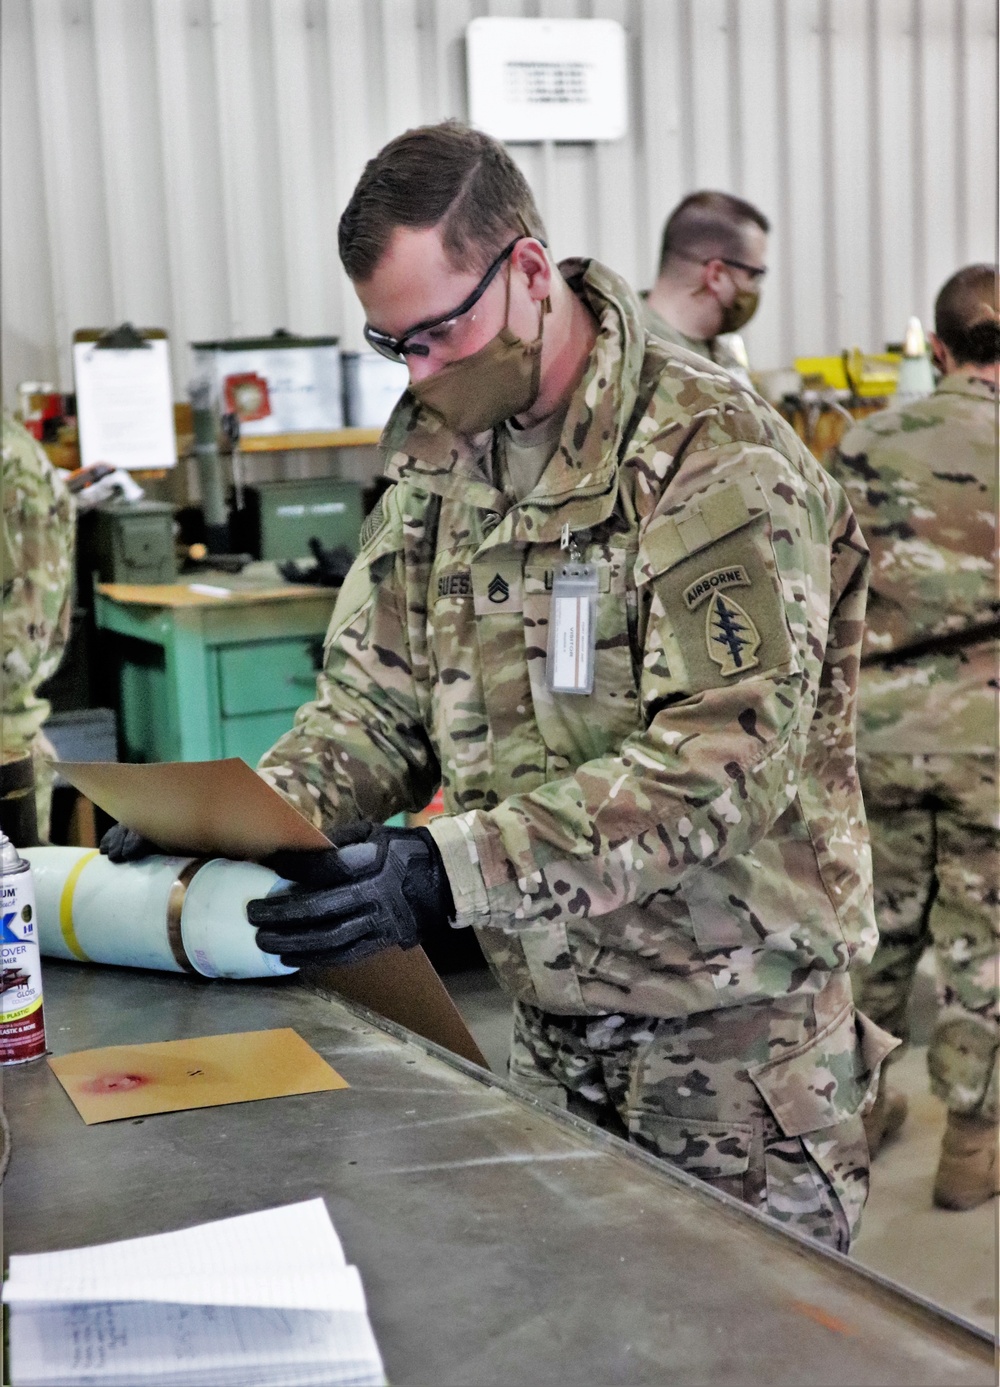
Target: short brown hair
445 174
709 225
966 317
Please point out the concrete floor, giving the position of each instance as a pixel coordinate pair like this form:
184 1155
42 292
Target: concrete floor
949 1258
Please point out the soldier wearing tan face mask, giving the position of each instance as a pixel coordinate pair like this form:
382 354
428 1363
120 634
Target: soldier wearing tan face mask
713 258
580 610
611 606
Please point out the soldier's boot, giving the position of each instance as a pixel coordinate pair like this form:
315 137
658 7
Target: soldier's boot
968 1172
885 1117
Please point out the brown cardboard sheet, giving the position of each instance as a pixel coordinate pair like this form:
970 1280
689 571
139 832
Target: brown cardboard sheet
207 1072
224 809
202 808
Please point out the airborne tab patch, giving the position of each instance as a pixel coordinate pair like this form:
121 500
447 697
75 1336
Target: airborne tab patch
733 577
732 638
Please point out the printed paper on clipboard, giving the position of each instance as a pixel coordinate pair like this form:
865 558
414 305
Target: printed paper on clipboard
124 401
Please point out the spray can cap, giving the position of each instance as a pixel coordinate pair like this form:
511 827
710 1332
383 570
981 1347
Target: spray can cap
10 859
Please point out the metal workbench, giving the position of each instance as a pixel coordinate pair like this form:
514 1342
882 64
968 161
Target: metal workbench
498 1242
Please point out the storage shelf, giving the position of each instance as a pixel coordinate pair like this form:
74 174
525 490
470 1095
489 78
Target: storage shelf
325 438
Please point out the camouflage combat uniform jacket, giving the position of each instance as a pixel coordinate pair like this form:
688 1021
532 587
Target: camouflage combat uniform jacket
689 836
717 350
923 483
36 561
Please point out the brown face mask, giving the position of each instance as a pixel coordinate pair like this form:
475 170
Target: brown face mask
478 392
740 311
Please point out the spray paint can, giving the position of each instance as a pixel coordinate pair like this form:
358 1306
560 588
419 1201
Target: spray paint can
22 1025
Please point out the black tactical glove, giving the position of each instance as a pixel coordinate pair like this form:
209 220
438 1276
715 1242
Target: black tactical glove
121 844
376 887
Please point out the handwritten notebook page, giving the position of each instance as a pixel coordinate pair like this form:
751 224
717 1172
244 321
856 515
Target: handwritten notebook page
262 1255
260 1299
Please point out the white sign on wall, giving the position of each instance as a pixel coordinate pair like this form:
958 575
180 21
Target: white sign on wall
547 79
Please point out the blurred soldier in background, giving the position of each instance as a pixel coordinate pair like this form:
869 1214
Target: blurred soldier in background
923 483
713 257
36 566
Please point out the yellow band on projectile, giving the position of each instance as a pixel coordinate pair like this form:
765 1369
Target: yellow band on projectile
66 908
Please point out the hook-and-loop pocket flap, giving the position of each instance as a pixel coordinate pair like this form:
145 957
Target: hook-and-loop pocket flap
705 519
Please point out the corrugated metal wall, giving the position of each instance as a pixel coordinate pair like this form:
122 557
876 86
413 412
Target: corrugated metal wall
182 163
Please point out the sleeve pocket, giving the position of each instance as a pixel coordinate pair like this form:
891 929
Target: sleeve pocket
714 576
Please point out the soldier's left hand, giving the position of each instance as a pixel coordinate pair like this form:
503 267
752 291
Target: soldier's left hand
375 887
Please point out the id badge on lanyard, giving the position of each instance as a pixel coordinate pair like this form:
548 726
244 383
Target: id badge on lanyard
572 629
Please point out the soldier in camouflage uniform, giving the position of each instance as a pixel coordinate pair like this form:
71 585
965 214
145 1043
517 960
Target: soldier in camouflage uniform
923 483
712 259
670 871
36 548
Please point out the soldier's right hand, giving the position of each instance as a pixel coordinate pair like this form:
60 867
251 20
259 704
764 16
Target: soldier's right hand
121 844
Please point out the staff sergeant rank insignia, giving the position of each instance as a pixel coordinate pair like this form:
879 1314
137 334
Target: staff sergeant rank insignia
498 590
732 638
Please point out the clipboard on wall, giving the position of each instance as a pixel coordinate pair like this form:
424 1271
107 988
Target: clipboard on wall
124 397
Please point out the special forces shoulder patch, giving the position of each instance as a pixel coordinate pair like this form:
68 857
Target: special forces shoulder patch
727 620
730 636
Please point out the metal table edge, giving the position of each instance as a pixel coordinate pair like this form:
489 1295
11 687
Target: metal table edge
906 1302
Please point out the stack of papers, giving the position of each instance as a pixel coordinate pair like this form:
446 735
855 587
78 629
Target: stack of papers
263 1300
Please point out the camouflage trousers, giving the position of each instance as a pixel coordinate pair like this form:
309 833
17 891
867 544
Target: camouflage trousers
682 1089
935 836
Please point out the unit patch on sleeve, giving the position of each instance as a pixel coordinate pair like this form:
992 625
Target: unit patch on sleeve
726 612
730 636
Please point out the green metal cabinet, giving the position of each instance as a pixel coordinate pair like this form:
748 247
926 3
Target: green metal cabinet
222 679
278 519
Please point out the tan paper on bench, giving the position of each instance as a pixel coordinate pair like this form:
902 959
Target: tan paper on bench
204 1072
224 809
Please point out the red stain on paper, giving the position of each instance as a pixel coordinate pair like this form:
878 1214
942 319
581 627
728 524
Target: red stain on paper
114 1083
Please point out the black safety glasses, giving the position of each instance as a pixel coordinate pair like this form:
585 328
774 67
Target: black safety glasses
754 271
399 348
